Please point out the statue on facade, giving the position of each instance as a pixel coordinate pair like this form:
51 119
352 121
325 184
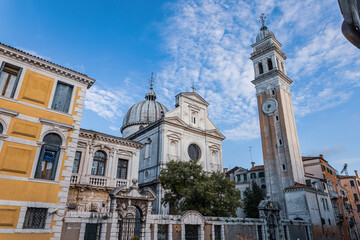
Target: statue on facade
350 10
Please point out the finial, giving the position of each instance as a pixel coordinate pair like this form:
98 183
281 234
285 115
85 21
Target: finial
193 88
262 20
151 81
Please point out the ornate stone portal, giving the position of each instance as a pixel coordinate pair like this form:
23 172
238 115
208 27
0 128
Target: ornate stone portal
270 212
130 209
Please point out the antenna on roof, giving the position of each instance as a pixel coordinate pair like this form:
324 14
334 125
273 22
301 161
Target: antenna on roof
345 170
250 153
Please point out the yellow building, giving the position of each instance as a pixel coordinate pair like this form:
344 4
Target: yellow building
41 105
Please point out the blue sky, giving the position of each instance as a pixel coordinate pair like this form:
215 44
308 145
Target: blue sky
206 43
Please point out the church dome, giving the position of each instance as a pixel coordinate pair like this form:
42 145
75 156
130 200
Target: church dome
264 32
142 113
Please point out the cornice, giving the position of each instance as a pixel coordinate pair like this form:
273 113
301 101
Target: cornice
44 64
266 50
108 138
56 123
165 120
270 74
8 112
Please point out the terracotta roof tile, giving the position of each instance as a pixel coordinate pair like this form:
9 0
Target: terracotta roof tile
259 167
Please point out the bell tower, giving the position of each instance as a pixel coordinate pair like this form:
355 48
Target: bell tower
280 144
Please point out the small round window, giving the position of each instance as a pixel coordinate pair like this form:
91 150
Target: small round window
194 152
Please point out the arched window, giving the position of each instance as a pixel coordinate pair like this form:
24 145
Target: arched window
49 157
269 63
99 162
261 69
1 128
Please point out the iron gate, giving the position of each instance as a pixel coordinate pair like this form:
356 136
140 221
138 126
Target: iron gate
191 232
130 226
92 231
217 232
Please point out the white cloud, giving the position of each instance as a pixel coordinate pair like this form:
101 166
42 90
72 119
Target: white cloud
113 128
110 103
209 45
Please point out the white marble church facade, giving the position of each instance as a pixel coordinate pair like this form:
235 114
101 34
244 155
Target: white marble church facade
185 133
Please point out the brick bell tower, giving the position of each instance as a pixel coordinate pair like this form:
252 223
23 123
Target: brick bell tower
280 144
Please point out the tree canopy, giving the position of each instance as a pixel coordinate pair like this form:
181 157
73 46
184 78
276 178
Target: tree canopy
252 198
188 187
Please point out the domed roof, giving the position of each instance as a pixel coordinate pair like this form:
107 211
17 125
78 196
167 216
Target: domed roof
144 112
264 32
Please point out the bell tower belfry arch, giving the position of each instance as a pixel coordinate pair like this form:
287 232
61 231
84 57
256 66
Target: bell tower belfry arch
280 144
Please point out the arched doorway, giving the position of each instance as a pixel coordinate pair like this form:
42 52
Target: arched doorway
131 225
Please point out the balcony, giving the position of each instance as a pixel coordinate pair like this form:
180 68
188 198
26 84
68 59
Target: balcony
352 221
122 182
333 194
99 181
339 218
74 178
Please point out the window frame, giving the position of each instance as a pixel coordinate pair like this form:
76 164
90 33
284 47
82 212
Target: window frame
54 96
79 162
119 166
44 148
99 160
269 60
29 218
352 183
261 68
16 80
198 153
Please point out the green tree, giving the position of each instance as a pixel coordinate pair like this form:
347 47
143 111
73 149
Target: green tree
252 198
188 187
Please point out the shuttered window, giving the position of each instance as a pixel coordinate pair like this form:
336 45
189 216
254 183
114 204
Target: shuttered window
9 77
62 97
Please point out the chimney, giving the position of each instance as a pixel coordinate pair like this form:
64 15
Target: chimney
321 156
356 174
225 170
252 164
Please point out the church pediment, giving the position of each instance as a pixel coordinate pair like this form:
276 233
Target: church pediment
195 97
176 120
216 133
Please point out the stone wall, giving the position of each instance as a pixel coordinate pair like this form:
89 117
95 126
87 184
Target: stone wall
237 231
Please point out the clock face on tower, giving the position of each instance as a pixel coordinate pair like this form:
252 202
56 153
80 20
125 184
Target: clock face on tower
269 106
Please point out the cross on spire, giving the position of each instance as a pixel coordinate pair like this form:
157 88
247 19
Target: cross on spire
262 19
151 81
193 88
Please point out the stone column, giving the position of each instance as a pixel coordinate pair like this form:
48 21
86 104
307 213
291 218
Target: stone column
82 230
147 231
114 229
103 231
213 232
201 231
222 232
170 231
155 231
182 231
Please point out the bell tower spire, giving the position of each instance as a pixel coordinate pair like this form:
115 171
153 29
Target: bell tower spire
281 150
